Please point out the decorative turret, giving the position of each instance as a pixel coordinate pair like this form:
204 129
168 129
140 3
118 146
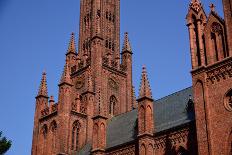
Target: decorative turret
71 55
127 67
41 104
196 20
145 114
145 90
145 106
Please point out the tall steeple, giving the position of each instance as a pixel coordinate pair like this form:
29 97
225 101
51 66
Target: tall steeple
43 91
145 90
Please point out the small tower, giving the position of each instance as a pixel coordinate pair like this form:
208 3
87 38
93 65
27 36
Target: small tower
127 64
65 97
196 19
41 104
145 116
71 55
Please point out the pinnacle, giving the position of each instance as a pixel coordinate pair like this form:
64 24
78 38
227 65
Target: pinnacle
145 90
195 5
65 78
126 44
43 91
212 7
72 45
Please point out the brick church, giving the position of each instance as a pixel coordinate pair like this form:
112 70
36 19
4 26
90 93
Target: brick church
98 113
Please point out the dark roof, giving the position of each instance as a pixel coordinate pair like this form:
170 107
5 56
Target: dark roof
169 112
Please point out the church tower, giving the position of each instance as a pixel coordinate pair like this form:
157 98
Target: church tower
210 44
96 85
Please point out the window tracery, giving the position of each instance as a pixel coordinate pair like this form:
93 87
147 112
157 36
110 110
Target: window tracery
75 135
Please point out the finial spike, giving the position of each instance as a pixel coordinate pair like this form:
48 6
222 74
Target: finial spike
126 44
196 5
212 7
72 45
145 90
43 91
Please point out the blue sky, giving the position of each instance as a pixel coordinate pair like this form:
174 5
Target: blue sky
34 36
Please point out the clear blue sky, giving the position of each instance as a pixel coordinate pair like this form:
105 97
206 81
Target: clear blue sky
34 36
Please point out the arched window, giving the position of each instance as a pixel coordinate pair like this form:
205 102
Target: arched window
44 133
142 119
53 128
197 42
75 135
113 102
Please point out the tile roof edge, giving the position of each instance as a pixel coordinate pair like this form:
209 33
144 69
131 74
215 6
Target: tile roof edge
173 93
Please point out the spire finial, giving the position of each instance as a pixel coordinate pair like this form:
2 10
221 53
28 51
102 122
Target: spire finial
145 90
43 91
212 7
195 5
72 45
126 44
65 78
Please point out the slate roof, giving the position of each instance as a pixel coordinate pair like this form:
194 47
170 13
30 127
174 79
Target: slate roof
169 112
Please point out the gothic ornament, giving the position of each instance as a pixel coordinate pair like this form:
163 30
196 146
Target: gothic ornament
216 28
228 101
79 83
196 5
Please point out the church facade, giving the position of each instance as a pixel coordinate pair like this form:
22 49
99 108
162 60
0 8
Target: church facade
97 112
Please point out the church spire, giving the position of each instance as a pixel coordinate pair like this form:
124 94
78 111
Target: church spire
43 91
145 90
65 78
126 44
72 45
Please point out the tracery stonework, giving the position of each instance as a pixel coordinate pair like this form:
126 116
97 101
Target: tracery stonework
98 113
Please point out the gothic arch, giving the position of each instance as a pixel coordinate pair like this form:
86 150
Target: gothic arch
149 118
150 149
75 135
53 129
142 118
102 132
143 150
113 105
228 100
95 136
43 139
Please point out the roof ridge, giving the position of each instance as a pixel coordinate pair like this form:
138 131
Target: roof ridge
173 93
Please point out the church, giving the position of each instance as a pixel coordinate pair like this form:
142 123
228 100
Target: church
97 112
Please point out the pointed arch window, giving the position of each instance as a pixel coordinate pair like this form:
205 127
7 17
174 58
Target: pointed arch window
113 103
75 135
53 128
